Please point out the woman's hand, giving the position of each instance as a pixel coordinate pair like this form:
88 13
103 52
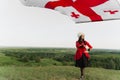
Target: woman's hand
86 51
89 49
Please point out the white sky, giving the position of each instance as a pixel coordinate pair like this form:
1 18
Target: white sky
37 27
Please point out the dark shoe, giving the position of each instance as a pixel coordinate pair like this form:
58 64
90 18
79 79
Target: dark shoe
82 78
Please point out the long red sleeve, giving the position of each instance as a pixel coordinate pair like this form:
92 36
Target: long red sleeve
89 45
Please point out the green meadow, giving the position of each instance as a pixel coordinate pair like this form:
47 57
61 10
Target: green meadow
56 64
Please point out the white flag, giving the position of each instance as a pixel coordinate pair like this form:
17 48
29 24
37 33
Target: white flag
81 10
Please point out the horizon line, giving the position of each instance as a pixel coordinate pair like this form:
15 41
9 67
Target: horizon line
49 47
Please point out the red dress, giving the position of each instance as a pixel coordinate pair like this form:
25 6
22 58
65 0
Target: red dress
81 50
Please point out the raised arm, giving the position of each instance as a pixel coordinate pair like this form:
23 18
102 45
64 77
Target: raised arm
90 47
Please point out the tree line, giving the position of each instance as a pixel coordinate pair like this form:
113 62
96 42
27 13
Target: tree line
104 60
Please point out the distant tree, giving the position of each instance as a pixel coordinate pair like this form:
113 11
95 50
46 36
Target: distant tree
37 59
111 64
25 59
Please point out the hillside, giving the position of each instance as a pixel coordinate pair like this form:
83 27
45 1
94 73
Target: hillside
56 64
56 73
105 58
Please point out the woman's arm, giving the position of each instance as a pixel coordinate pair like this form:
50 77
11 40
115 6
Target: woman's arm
78 44
90 47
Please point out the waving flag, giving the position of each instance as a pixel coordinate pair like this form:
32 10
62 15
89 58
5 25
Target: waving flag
81 10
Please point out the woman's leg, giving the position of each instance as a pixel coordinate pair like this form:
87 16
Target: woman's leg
82 71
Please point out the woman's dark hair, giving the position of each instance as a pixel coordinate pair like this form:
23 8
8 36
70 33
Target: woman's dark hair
80 40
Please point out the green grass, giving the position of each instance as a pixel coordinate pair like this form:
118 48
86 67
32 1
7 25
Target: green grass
49 69
12 61
6 60
56 73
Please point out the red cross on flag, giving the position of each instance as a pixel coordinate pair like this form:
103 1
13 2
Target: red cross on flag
81 10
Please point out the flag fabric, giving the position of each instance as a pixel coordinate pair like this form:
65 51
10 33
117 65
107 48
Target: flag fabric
81 10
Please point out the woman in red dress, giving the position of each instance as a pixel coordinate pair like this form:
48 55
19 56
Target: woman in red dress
82 56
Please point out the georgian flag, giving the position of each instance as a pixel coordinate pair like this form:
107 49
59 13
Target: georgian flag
81 10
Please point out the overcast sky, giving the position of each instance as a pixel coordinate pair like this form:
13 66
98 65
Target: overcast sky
37 27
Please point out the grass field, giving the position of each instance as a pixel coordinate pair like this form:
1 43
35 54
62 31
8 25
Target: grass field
49 69
56 73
